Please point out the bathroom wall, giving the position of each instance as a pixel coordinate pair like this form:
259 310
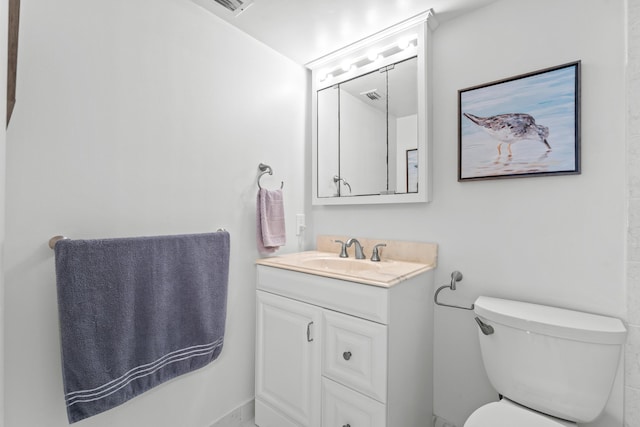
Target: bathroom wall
632 390
141 117
553 240
3 139
368 131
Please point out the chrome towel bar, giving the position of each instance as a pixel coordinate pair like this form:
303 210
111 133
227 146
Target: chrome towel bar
56 239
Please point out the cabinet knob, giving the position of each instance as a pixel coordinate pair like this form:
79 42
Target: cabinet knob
347 356
347 425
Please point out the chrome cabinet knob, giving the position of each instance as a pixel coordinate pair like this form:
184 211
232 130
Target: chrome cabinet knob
346 355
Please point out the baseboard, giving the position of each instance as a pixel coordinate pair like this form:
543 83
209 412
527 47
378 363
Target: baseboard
238 416
441 422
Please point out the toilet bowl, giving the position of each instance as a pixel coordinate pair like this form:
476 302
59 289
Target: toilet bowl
506 413
554 367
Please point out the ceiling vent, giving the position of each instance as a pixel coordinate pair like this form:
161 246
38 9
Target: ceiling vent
235 6
371 94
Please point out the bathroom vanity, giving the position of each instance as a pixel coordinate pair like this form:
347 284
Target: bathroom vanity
345 342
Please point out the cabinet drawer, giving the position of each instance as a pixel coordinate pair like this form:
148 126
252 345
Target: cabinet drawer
343 407
368 302
355 354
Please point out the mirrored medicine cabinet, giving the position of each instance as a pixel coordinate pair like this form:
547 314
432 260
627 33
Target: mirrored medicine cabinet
370 109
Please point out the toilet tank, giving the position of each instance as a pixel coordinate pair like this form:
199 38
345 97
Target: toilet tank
557 361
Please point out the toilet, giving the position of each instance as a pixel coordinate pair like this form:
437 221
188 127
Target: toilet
553 367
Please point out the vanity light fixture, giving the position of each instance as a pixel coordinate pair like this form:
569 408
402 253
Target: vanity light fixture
347 66
404 43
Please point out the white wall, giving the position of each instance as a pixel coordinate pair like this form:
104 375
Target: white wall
553 240
141 117
632 378
328 142
363 145
4 9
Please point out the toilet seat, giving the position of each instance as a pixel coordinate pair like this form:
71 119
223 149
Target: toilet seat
509 414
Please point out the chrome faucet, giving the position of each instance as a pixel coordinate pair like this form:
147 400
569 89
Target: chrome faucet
359 251
375 256
343 249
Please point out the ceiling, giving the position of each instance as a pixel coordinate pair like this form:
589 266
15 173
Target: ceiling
305 30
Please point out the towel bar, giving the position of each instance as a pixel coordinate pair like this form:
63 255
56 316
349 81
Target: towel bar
56 239
456 276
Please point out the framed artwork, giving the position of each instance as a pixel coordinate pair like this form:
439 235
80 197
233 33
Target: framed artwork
412 171
523 126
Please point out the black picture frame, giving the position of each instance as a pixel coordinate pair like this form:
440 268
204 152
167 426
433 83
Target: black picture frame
538 113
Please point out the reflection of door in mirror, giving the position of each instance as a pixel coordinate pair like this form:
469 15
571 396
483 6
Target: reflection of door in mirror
403 121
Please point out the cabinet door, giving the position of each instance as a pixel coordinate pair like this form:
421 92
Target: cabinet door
288 358
343 407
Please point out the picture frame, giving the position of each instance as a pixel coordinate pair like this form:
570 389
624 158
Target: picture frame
412 170
523 126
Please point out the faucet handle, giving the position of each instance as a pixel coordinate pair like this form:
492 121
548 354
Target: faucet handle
375 256
343 249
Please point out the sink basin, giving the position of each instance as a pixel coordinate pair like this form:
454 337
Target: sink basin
384 273
345 265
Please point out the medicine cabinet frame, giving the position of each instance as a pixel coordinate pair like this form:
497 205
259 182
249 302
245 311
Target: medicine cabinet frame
416 30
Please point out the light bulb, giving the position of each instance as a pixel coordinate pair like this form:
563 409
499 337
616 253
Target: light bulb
404 43
323 75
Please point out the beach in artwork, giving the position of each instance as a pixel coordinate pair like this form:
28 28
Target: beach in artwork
550 97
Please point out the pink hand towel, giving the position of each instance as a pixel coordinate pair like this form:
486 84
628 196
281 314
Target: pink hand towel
270 220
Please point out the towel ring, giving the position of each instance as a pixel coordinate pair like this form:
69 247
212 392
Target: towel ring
266 169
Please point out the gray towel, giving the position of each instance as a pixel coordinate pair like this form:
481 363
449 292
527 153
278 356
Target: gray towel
136 312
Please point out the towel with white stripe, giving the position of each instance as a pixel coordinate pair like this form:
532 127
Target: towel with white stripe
137 312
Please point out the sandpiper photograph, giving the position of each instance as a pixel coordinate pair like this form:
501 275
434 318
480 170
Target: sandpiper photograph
527 125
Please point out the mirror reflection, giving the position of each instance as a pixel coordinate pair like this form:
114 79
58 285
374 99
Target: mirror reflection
368 133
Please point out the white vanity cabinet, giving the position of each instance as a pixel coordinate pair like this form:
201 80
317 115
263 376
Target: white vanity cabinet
337 353
287 361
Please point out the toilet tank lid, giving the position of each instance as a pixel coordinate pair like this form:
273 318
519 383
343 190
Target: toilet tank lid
552 321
